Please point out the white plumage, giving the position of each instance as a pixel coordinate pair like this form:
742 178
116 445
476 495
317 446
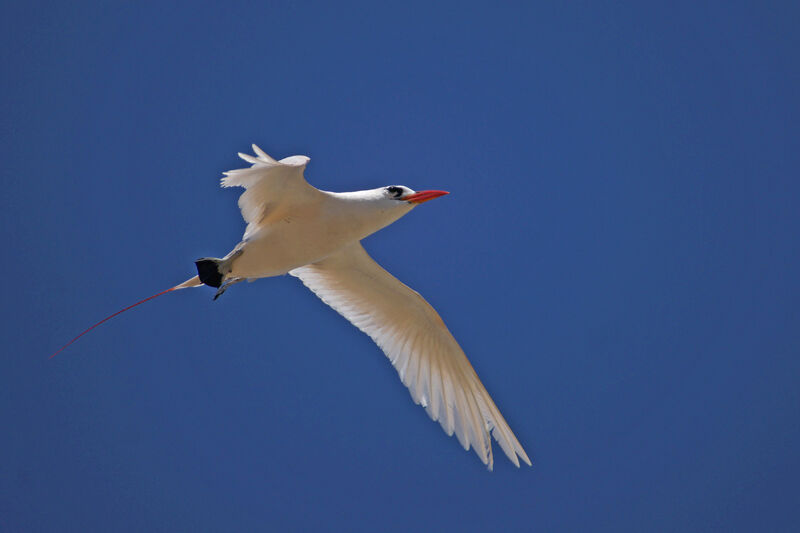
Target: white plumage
409 331
415 339
315 236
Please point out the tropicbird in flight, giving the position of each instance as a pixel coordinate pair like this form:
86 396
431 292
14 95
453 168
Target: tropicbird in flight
315 236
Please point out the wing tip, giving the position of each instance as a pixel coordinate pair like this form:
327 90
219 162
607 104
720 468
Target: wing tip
249 158
262 154
524 457
263 159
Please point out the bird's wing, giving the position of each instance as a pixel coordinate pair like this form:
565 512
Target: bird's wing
427 357
268 183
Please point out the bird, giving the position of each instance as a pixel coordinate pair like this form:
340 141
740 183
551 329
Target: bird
314 235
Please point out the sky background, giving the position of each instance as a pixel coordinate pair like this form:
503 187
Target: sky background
618 257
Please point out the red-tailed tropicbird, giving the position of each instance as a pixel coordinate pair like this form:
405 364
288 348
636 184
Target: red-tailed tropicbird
315 235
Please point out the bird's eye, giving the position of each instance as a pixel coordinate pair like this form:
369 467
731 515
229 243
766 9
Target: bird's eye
394 191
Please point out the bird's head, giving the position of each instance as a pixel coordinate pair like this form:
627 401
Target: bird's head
377 208
401 193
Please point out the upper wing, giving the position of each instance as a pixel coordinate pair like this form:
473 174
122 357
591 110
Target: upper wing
267 183
427 357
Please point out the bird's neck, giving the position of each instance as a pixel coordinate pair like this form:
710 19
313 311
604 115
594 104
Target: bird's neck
364 212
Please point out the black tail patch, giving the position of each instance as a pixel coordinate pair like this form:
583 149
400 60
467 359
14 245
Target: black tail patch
208 271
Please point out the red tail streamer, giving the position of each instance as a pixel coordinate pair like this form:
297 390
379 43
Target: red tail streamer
110 317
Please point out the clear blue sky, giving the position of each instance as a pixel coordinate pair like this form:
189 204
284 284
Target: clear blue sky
619 258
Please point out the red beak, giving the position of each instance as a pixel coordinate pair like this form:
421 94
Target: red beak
424 196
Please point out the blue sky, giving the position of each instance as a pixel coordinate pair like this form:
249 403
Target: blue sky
618 257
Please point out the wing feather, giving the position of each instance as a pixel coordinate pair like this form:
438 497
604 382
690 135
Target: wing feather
267 184
263 155
427 358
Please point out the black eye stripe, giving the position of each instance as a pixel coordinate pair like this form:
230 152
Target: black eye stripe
394 191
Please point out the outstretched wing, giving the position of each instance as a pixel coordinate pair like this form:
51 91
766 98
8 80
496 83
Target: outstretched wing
268 183
415 339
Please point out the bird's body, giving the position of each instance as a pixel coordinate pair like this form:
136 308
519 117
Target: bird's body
315 236
305 230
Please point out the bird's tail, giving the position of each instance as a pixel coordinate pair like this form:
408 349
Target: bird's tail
191 282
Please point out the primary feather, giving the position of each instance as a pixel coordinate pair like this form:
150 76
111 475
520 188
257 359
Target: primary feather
415 339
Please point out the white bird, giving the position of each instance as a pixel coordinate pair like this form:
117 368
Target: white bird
315 236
